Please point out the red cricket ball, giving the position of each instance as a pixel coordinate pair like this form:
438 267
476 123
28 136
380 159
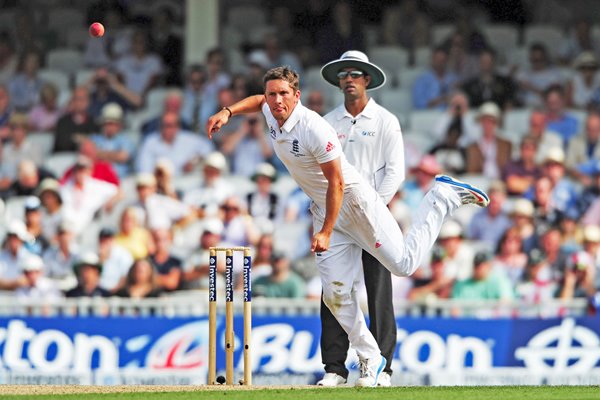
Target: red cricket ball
96 29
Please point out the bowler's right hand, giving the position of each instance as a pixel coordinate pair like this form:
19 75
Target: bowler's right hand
216 121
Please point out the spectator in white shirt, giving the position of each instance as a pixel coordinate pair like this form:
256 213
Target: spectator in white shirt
12 255
205 200
60 258
540 76
116 261
84 196
157 210
37 287
19 148
52 209
263 204
139 70
184 149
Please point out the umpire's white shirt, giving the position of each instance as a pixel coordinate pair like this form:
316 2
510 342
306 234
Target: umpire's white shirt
372 142
302 143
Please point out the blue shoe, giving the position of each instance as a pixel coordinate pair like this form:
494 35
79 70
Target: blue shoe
370 370
468 194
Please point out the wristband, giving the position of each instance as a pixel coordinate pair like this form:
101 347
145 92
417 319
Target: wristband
227 108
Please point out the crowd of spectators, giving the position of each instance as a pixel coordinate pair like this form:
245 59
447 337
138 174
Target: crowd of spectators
145 193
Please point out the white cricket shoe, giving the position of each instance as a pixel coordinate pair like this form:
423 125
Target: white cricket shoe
331 379
468 194
370 371
385 380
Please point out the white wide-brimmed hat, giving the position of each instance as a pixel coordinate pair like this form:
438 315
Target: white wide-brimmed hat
357 59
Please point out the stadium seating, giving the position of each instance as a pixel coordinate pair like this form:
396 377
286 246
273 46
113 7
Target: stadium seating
67 60
58 163
43 141
546 34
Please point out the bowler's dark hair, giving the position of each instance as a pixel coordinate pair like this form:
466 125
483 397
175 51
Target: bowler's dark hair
284 73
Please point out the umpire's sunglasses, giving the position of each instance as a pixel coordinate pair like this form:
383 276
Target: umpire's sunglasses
353 74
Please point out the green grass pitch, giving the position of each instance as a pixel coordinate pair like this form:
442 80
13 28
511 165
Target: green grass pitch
405 393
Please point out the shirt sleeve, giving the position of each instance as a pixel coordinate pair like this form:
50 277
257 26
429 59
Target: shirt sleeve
394 160
323 143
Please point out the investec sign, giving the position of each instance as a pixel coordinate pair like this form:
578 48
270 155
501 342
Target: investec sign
290 345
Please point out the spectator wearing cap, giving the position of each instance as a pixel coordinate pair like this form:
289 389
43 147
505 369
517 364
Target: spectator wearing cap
435 286
431 89
521 216
195 270
168 267
214 189
579 277
115 260
184 149
247 146
585 149
172 104
12 255
19 147
84 195
76 123
101 169
557 118
537 285
585 82
88 269
33 222
141 281
157 210
132 236
112 145
263 205
521 173
52 211
459 255
486 283
591 245
563 193
421 181
44 116
239 228
487 225
283 282
490 153
544 138
38 289
61 256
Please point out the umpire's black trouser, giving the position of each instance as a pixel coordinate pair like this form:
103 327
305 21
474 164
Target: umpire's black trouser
382 322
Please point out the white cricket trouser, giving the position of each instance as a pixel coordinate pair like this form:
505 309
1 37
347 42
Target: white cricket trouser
364 222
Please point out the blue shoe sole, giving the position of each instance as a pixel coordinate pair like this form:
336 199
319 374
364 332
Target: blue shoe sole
381 367
450 181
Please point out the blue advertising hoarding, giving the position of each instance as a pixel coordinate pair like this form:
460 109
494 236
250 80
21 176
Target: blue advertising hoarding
107 347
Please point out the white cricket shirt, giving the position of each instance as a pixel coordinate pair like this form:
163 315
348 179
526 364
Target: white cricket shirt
372 142
302 143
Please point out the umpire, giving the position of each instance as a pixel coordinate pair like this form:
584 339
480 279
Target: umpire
372 142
